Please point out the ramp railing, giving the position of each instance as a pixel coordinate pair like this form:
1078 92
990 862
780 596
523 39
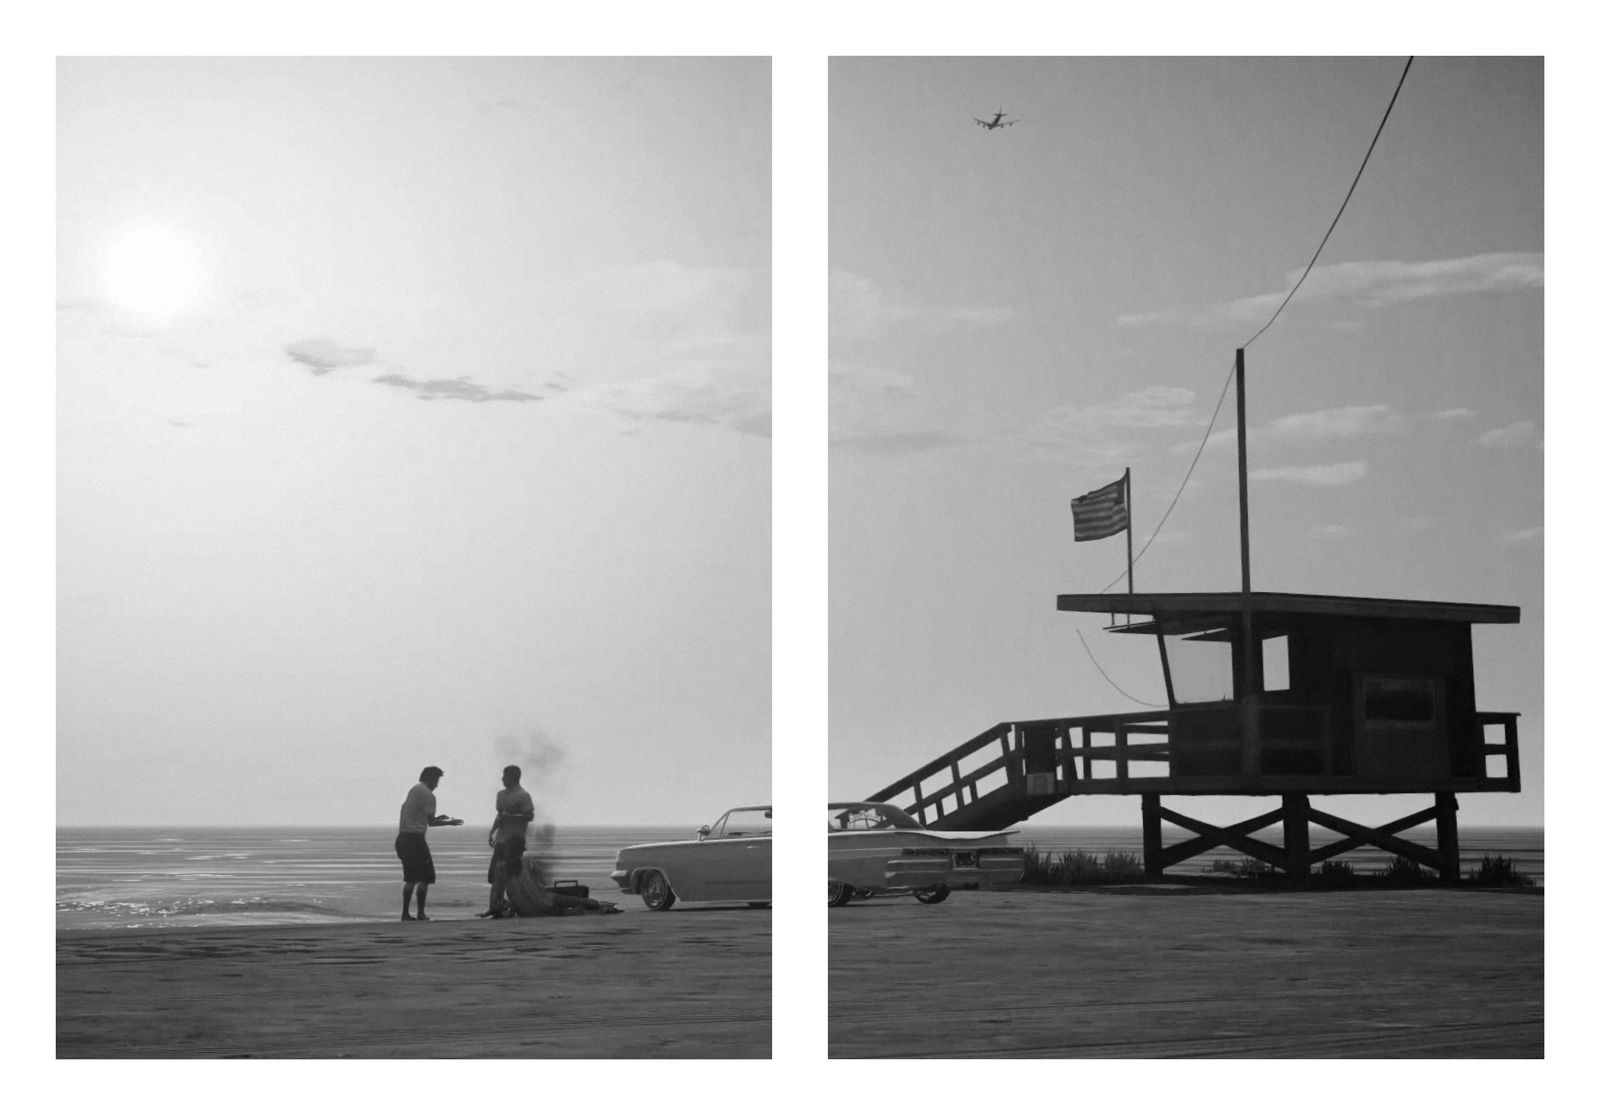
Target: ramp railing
1014 769
1017 768
1506 749
958 779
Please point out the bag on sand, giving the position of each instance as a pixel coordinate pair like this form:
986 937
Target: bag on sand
532 897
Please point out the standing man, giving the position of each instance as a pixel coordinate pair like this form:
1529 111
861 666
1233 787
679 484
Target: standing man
416 817
509 835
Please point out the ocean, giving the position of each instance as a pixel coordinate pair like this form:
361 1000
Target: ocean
131 878
1523 845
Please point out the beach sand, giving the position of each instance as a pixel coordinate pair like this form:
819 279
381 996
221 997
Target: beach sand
684 983
1178 970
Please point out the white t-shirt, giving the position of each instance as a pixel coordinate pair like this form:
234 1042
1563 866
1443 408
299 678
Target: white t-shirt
418 807
515 800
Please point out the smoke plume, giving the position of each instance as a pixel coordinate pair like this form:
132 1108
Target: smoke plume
541 759
539 756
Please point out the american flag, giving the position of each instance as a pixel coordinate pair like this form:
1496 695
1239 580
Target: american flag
1100 514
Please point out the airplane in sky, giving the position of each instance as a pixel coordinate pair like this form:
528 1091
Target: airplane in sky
995 123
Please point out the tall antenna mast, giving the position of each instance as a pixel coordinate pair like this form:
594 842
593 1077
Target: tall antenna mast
1249 699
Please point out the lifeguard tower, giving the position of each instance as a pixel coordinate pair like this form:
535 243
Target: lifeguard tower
1269 695
1279 695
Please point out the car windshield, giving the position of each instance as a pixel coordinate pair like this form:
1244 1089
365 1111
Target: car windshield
744 822
856 816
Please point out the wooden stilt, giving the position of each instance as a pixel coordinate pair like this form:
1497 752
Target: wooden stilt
1235 836
1449 843
1297 838
1153 864
1383 837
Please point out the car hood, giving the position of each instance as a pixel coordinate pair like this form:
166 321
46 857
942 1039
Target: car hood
709 842
936 835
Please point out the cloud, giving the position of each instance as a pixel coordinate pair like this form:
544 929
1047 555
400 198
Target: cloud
1533 536
940 317
1513 436
740 399
682 343
1316 427
899 443
657 340
1314 476
666 298
858 309
861 393
855 305
1391 282
1334 424
1322 426
323 356
459 388
1146 409
1455 414
1374 283
1104 434
881 411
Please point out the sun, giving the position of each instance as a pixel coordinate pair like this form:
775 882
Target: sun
153 271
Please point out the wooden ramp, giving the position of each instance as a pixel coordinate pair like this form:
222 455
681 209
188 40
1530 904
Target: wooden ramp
1017 769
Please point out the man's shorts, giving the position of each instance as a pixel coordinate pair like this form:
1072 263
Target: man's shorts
508 853
412 848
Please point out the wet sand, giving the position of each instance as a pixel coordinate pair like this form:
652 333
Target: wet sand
1182 971
683 983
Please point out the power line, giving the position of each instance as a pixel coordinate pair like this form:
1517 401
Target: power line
1228 380
1348 195
1314 257
1107 676
1216 410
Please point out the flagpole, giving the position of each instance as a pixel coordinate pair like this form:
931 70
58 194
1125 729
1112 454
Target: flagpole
1127 498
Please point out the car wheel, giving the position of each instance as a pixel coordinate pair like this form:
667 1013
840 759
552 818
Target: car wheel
656 891
839 894
932 895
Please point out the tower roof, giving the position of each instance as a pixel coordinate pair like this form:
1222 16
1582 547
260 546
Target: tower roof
1197 610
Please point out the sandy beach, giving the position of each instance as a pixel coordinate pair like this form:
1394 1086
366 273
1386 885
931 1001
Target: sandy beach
1176 970
686 983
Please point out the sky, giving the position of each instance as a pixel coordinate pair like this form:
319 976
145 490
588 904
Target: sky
1018 315
410 412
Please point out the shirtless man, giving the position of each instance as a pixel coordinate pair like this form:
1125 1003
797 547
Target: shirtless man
509 835
416 818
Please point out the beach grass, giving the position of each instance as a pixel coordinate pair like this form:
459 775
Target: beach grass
1498 871
1078 868
1052 869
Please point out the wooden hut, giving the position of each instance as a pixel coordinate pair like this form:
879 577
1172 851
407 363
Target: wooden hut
1269 694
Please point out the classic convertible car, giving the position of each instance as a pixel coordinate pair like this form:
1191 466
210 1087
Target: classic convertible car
876 848
731 861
